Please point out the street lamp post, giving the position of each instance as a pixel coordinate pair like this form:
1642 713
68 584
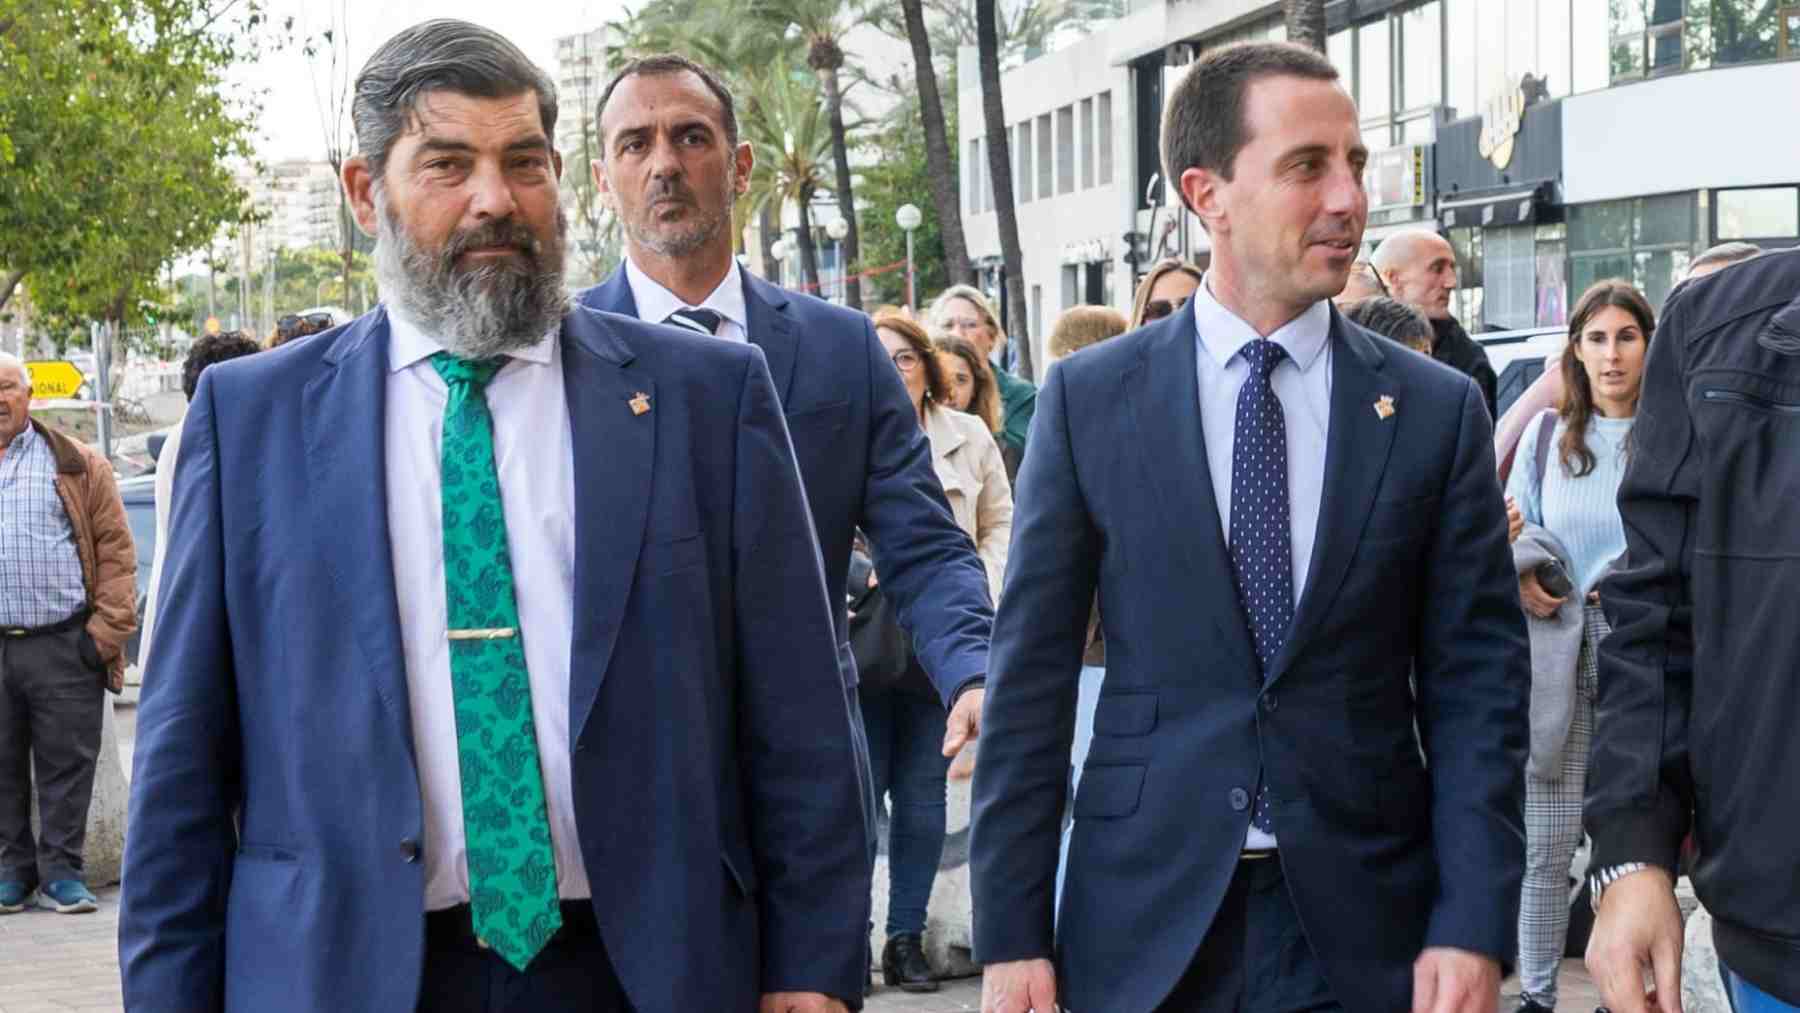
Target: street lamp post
908 218
837 230
778 250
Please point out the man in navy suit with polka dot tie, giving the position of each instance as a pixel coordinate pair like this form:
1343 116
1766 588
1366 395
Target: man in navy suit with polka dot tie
1305 782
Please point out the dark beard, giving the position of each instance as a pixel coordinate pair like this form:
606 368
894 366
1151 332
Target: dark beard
477 313
680 241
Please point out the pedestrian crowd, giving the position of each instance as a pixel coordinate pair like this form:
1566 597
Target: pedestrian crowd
513 650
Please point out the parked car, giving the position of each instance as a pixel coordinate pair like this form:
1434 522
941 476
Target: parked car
139 495
1518 358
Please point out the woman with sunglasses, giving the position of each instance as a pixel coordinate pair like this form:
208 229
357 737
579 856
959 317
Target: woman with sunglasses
905 722
1167 287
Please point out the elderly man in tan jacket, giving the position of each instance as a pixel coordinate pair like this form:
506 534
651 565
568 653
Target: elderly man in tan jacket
68 601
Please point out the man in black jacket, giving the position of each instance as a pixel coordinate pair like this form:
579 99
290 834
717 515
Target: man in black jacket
1419 269
1697 690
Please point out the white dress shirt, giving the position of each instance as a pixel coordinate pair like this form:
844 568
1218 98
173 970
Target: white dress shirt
1302 384
534 458
655 303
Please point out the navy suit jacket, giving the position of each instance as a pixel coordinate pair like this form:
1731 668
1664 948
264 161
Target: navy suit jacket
866 463
711 754
1390 843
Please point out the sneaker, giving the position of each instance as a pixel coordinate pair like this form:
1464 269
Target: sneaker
13 895
1533 1006
69 897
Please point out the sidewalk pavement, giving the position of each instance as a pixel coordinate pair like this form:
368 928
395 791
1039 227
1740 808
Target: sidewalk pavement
51 963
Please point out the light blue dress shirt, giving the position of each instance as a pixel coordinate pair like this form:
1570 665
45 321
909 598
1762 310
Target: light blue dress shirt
40 569
1302 383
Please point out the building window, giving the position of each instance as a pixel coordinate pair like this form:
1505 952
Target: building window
1023 152
1771 212
986 176
1046 183
1509 277
1589 36
1071 285
1645 240
1065 150
1338 47
1422 56
1553 53
1087 143
1103 123
1374 74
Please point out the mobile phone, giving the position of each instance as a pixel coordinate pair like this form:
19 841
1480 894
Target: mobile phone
1554 579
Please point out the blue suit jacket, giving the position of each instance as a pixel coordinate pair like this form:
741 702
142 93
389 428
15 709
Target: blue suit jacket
711 756
866 463
1384 854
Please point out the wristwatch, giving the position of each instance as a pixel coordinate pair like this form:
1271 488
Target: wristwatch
1599 881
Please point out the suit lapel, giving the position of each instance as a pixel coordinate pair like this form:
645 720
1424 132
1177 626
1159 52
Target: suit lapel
615 451
1163 390
344 412
1356 456
772 330
612 295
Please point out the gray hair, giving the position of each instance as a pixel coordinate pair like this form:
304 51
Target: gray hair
1203 126
1723 255
439 55
9 359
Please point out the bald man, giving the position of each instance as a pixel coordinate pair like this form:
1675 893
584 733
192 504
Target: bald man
1419 268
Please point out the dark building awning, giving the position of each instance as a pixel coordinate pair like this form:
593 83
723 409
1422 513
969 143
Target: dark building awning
1525 205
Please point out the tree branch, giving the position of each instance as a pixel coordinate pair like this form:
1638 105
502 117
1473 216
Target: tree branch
8 283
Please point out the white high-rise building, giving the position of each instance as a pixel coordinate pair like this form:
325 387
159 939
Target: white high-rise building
580 76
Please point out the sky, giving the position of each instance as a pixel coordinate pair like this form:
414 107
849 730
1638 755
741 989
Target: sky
285 79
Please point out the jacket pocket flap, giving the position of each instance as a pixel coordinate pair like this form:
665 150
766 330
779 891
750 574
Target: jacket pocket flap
1108 792
1125 714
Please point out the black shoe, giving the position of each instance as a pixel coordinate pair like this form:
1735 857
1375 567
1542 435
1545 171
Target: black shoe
1532 1006
903 963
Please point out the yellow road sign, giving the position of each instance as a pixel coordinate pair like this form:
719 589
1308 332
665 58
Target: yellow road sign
54 378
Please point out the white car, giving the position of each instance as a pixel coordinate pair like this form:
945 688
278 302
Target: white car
1518 358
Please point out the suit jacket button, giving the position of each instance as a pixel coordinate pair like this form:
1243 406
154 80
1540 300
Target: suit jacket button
1240 800
409 850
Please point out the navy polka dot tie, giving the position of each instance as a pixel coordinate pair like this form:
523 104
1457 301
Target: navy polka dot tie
1262 553
704 321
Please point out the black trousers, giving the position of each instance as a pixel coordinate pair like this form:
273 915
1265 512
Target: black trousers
570 975
1254 959
50 713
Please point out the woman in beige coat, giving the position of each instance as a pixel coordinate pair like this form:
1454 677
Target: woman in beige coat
905 721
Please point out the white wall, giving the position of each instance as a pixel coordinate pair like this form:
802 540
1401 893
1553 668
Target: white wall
1049 225
1732 126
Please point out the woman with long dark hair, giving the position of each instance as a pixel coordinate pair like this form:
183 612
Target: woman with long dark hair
1566 482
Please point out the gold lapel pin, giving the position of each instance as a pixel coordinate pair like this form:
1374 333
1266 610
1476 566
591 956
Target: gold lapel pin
640 403
1384 406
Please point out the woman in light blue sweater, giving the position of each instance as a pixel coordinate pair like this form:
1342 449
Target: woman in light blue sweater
1574 497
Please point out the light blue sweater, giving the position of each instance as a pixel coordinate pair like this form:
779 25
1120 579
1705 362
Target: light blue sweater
1582 512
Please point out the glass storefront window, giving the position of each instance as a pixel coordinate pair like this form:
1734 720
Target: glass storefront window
1667 218
1604 226
1647 240
1763 213
1584 271
1374 74
1553 46
1422 54
1589 35
1462 66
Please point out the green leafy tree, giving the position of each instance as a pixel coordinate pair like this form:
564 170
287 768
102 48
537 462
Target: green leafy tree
903 176
118 143
791 134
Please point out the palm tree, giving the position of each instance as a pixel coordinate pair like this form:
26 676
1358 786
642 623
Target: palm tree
993 114
822 24
785 123
937 147
1305 22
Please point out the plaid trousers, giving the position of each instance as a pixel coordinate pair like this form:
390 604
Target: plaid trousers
1553 831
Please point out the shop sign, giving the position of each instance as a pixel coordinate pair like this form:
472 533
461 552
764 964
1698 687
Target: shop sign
1500 122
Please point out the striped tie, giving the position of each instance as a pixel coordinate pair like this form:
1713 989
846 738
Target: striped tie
705 321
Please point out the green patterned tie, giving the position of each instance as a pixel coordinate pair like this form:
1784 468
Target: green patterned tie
512 869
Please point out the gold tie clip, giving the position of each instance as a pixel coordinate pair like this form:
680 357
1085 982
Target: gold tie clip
493 633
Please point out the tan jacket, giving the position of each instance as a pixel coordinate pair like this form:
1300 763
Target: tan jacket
90 496
969 467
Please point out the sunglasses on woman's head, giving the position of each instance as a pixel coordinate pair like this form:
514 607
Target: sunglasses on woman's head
1156 309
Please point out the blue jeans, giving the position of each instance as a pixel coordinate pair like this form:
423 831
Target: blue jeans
906 741
1747 998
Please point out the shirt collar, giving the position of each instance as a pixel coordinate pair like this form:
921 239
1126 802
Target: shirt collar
408 344
1223 333
655 303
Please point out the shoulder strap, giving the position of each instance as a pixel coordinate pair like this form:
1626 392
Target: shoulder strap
1546 429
